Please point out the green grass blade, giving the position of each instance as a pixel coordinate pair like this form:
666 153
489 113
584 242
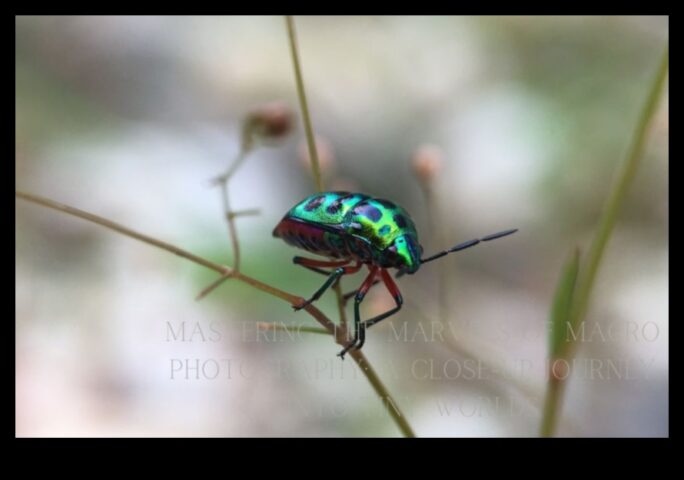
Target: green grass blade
586 277
562 302
618 194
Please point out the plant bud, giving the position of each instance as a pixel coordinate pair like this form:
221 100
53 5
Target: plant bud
427 162
267 123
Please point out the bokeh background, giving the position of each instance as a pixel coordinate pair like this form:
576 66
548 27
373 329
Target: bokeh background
130 118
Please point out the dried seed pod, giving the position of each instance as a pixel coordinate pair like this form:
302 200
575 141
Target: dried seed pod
267 123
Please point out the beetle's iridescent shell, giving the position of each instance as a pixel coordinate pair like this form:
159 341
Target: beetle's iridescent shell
343 224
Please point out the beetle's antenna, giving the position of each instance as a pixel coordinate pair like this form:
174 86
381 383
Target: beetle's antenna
468 244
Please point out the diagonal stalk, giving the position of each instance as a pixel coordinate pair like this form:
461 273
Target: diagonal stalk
588 271
303 104
339 332
341 337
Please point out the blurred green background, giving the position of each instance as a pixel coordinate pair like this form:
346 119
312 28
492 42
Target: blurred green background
130 118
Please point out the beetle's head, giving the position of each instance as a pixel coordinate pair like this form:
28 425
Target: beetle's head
405 253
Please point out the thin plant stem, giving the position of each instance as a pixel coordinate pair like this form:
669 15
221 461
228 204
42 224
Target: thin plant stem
341 338
382 392
248 212
438 234
227 211
230 215
589 269
341 303
46 202
618 194
552 401
232 229
303 104
224 177
213 285
339 332
291 328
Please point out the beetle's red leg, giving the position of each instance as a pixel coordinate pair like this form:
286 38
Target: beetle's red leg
360 294
391 287
349 295
361 327
334 276
312 264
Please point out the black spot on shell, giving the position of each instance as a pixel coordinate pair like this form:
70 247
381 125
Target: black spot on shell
385 203
400 220
334 207
369 211
384 230
346 196
314 203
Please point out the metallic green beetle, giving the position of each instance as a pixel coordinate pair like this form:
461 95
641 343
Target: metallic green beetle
353 229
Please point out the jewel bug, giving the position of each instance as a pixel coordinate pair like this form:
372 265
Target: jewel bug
353 230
